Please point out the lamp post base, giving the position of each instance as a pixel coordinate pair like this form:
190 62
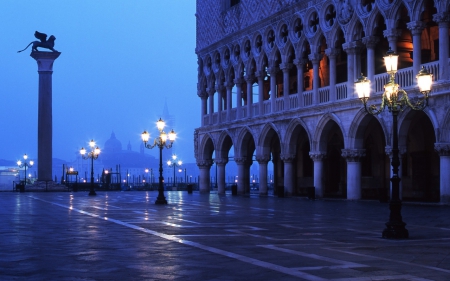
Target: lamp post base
161 201
92 193
395 231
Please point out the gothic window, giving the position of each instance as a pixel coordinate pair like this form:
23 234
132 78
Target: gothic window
298 28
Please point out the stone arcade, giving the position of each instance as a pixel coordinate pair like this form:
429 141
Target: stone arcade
303 59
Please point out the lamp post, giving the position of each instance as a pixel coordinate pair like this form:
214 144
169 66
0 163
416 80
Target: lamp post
174 164
395 100
163 140
25 165
93 155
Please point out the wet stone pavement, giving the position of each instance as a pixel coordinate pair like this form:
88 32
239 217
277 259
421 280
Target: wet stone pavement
125 236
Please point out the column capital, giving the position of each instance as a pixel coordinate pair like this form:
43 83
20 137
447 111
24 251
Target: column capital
285 66
220 161
263 159
45 59
229 84
202 164
220 88
202 94
287 158
332 52
443 149
370 41
416 27
315 58
317 155
300 62
353 155
211 91
238 81
272 70
249 78
352 47
240 160
261 74
442 19
392 34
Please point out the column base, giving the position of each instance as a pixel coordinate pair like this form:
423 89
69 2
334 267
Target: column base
397 231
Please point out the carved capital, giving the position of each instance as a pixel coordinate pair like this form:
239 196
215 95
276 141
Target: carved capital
249 78
442 19
238 81
202 164
352 47
315 58
416 27
229 84
332 52
285 67
272 70
263 159
300 63
211 91
220 88
443 149
220 161
392 34
353 155
202 94
370 41
240 160
287 158
317 155
260 74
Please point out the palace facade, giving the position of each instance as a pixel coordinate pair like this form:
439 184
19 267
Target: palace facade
276 84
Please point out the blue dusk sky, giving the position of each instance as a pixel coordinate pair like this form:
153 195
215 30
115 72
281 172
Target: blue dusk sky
120 61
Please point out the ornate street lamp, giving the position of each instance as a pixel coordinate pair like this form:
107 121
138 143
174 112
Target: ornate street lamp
174 164
93 155
25 165
163 140
395 100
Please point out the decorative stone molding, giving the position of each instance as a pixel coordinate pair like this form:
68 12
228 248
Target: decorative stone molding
260 74
263 159
442 19
345 11
285 67
249 78
300 62
315 58
240 160
220 161
392 34
443 149
287 158
353 155
202 164
238 81
211 91
416 27
317 156
332 52
272 70
370 41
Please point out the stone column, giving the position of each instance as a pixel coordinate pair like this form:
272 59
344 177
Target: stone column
332 53
204 183
249 79
299 63
219 89
288 173
350 50
238 82
221 163
211 92
45 62
318 157
443 20
353 172
391 35
286 67
443 150
229 87
315 59
262 161
416 28
241 165
203 96
371 43
273 88
260 75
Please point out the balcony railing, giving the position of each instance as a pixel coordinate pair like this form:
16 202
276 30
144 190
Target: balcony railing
404 77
